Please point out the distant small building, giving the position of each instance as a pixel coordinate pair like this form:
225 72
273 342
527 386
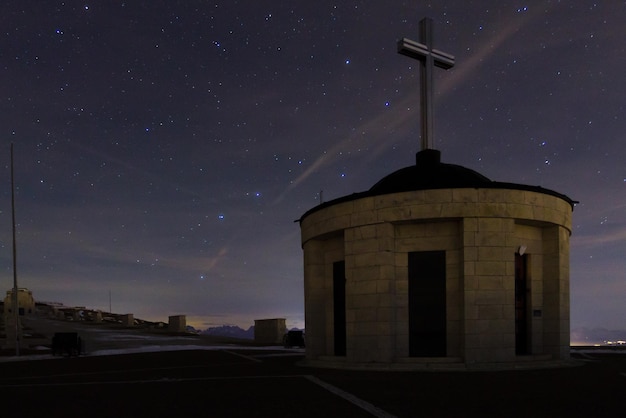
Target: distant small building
127 320
25 302
177 323
269 331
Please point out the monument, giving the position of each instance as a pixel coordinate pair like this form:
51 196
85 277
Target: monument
436 265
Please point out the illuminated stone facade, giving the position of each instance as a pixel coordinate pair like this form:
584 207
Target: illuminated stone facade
418 273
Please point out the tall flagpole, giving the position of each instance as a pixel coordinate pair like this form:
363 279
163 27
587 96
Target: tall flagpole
16 312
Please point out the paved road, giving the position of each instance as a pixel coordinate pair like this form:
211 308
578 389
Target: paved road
170 384
233 383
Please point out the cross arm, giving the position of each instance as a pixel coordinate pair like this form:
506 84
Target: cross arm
419 51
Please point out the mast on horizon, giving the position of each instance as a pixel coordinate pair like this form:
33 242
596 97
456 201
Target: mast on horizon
16 311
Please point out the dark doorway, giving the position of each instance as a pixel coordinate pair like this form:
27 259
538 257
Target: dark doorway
427 304
521 305
339 310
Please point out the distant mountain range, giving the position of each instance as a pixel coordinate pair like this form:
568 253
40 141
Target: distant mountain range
231 331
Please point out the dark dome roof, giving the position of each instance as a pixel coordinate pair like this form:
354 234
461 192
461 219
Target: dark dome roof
430 173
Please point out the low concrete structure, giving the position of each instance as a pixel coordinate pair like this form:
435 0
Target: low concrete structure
177 323
96 316
269 331
436 265
127 320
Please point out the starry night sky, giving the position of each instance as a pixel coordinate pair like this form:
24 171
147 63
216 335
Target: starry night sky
163 149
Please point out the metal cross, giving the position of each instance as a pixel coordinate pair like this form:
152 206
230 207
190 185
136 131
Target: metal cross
430 58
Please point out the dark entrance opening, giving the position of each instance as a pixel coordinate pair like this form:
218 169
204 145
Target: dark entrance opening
427 304
339 307
521 305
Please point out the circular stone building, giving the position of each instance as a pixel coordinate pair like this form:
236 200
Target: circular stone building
438 266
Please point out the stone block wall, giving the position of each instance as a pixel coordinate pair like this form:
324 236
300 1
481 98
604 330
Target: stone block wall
489 289
480 231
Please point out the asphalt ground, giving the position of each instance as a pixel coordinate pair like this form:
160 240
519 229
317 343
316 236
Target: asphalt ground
266 383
